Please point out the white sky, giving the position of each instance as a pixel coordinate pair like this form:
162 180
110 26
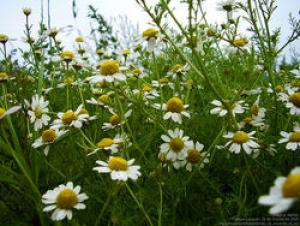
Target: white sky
61 15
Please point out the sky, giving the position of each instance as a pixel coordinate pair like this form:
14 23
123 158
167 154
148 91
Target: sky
61 15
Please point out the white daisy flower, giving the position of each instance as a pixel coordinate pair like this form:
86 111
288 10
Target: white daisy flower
178 70
48 137
115 120
195 156
176 145
292 101
152 36
38 112
163 82
175 108
109 72
4 113
283 194
221 111
292 139
119 168
70 118
241 140
62 200
104 100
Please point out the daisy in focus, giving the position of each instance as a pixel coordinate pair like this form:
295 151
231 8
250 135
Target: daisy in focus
109 72
241 140
71 118
176 145
48 137
62 200
196 157
175 108
119 168
292 139
38 111
220 109
283 194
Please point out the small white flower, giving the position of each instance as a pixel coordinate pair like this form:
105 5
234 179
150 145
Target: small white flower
175 108
62 200
70 118
176 145
153 37
109 72
221 111
284 193
115 120
292 101
292 139
38 112
241 140
49 136
119 168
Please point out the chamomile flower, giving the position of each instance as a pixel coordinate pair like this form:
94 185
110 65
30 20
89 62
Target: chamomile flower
292 101
283 194
178 71
163 82
292 139
106 143
109 72
71 118
48 137
115 120
175 108
176 145
241 140
38 111
119 168
67 56
103 100
152 37
4 112
196 157
62 200
220 109
4 77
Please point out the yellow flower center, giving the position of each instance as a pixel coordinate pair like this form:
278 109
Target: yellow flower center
2 111
240 42
136 71
67 56
38 112
176 144
240 137
175 104
114 119
247 120
83 111
126 52
3 75
291 186
294 137
278 88
79 39
66 199
193 156
254 109
150 33
104 98
48 136
118 164
146 88
164 80
68 80
68 117
177 67
105 142
295 99
109 67
3 38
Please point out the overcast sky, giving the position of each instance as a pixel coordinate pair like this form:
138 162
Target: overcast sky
61 15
